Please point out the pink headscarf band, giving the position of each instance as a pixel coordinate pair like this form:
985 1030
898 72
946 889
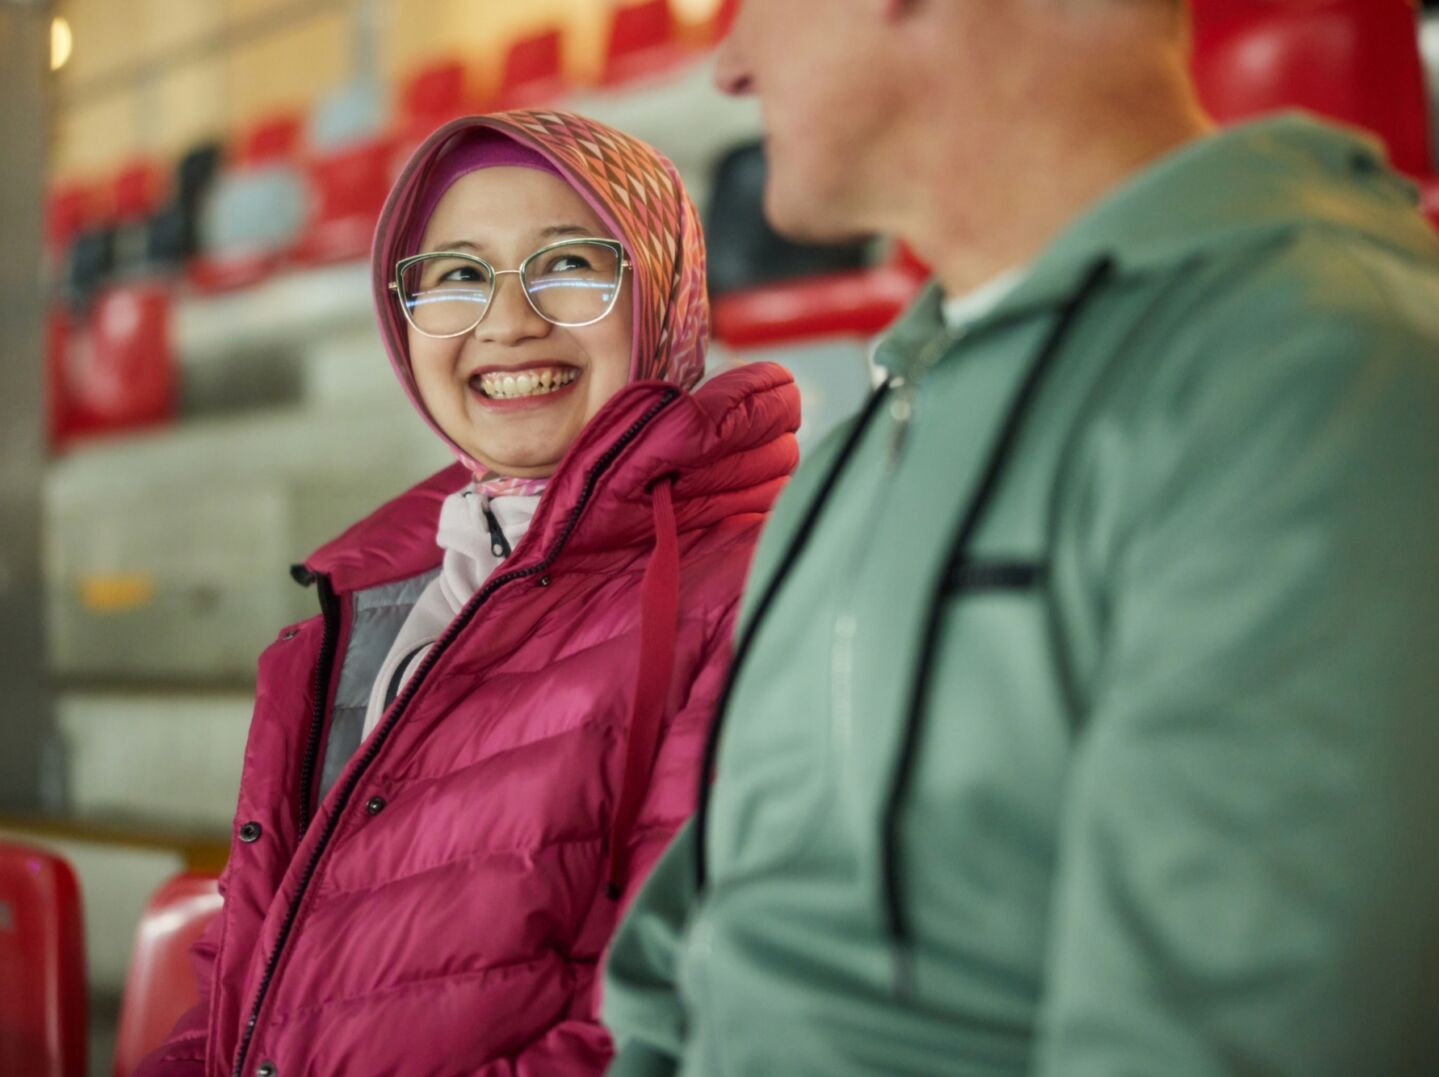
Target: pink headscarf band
476 150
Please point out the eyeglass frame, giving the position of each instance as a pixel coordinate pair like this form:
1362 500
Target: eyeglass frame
397 285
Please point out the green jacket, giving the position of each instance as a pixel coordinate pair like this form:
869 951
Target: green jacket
1089 726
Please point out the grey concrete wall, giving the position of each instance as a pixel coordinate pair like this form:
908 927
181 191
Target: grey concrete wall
27 766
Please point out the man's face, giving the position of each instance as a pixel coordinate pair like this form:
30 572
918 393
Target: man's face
826 94
853 91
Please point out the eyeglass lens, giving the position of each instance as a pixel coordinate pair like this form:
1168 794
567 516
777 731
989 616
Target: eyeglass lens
570 284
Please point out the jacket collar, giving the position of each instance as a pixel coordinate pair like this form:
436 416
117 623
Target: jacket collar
729 446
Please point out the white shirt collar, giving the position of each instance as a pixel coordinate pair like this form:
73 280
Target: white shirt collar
962 310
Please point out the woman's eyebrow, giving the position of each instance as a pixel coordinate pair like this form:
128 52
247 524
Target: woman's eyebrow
554 231
454 245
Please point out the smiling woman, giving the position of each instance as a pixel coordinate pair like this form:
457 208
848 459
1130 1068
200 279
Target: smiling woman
460 772
512 374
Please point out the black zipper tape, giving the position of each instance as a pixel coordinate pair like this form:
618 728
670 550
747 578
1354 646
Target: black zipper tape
330 610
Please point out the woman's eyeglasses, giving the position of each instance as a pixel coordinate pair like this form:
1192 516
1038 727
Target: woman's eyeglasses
572 283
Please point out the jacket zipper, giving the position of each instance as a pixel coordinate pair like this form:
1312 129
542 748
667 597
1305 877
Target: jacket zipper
324 671
898 922
906 389
381 735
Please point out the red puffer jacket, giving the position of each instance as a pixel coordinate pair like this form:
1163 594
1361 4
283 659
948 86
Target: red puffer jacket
444 907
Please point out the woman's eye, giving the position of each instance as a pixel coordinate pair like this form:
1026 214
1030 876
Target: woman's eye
464 274
569 263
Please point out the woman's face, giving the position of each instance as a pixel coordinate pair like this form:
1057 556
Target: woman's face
503 215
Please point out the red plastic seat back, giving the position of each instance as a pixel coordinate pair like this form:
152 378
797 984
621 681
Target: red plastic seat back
348 189
137 190
160 985
276 138
1356 61
130 380
435 95
68 209
533 72
42 966
429 99
642 42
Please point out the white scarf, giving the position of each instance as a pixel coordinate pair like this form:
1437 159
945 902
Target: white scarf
470 559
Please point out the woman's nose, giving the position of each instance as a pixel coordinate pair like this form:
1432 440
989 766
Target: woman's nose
510 318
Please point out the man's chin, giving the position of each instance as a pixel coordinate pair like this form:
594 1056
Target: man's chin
809 220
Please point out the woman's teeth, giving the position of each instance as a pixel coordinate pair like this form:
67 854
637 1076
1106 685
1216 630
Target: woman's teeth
500 386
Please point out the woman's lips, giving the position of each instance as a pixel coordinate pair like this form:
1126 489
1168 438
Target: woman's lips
518 387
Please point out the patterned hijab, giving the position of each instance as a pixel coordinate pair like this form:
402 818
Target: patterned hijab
632 188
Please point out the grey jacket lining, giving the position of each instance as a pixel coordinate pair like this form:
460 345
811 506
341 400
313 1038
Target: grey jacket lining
379 612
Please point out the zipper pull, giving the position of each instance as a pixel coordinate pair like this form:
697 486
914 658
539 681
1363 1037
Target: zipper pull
901 411
499 545
905 388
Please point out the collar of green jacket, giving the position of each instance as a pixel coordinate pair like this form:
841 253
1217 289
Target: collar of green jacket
1243 186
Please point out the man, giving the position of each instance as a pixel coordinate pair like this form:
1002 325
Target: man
1083 718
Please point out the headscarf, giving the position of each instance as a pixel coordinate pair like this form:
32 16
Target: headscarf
633 189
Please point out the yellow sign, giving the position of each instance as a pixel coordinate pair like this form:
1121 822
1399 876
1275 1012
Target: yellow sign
117 593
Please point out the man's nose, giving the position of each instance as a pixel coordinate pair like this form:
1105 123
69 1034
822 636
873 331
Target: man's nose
732 75
510 318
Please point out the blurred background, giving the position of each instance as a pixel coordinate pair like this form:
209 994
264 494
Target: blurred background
192 392
194 387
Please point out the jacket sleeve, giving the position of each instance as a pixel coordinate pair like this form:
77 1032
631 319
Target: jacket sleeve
641 1001
642 1006
183 1052
1247 880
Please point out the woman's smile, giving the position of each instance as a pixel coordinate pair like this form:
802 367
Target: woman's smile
536 383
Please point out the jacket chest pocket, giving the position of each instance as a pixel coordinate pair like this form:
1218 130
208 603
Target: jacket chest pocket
1012 603
994 730
996 575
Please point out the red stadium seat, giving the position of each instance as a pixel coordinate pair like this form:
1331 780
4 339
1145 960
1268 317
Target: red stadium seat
276 138
137 190
116 370
859 303
533 73
42 966
68 209
642 43
429 99
435 95
1356 61
348 189
160 985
